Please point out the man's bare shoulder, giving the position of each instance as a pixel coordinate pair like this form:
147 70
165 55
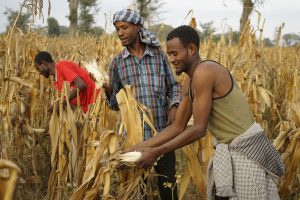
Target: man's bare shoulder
204 76
208 64
205 69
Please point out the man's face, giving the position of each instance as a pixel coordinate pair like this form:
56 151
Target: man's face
43 68
128 33
178 55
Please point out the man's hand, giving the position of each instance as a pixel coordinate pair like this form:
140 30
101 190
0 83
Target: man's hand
172 114
106 87
149 157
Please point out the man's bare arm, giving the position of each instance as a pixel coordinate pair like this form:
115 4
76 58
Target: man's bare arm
78 84
203 84
183 114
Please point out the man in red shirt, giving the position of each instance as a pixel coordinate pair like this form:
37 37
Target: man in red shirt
68 71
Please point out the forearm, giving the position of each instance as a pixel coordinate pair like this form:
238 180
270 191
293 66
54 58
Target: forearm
113 86
111 89
111 97
73 93
190 135
173 87
167 134
174 94
107 90
183 114
79 85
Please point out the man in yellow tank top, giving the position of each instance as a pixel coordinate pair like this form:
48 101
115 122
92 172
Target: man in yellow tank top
245 164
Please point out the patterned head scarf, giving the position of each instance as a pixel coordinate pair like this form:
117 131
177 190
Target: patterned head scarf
132 16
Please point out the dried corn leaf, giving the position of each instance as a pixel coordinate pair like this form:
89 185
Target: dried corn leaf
130 116
195 168
184 183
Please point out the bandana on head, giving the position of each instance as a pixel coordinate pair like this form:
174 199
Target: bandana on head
132 16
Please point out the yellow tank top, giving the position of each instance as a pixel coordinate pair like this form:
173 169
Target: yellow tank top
230 115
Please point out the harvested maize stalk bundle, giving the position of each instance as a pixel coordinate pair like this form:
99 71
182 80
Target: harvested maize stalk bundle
134 115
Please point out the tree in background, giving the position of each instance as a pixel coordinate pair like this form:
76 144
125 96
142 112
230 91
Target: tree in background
22 22
248 6
291 39
73 16
86 18
97 30
161 31
64 30
207 29
148 9
53 27
268 42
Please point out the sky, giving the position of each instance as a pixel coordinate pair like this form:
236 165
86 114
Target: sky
224 13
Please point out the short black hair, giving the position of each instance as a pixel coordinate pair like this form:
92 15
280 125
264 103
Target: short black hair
186 34
43 55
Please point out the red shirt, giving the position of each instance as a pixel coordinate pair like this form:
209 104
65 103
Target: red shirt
69 71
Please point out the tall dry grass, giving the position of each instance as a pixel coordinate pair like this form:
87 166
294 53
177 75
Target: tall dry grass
77 157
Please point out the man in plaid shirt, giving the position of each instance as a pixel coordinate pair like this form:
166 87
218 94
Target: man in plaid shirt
144 65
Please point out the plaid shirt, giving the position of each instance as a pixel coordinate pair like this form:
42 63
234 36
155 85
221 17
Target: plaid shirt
153 80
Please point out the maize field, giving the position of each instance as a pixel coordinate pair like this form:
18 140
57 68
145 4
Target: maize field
79 157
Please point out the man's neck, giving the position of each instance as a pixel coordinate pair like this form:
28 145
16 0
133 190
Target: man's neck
193 67
137 49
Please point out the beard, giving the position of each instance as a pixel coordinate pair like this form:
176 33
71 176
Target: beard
46 73
185 66
184 69
179 72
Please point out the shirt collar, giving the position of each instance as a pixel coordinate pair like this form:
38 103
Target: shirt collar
148 51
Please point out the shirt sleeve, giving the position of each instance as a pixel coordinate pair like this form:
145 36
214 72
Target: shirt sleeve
115 85
67 73
173 87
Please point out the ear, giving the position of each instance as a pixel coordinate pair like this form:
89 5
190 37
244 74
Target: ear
139 27
192 49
